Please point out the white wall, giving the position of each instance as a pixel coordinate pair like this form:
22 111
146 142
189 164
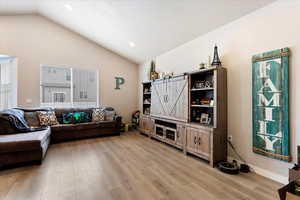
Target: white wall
272 27
35 40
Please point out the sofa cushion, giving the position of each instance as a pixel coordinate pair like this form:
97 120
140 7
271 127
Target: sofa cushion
23 141
83 126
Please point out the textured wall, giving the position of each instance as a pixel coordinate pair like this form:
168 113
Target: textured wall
269 28
35 40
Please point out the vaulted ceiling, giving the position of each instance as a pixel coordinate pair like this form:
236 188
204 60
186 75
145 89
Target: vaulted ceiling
137 29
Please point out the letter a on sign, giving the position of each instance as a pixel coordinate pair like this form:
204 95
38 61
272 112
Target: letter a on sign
270 104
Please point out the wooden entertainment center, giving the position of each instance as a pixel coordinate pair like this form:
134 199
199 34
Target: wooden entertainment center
189 111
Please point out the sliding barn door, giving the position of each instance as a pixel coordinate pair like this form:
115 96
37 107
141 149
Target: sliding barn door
169 98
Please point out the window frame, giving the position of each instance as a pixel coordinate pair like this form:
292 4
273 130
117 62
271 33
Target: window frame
71 103
12 86
53 98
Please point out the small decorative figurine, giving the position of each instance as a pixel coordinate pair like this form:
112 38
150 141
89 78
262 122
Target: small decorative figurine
205 101
167 74
202 66
216 62
153 73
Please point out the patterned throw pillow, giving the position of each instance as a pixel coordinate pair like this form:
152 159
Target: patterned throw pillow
98 115
81 117
68 118
47 118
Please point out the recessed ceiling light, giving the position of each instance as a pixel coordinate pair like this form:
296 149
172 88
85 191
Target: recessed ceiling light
131 44
69 7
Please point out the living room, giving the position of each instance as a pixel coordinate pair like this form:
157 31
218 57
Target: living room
149 99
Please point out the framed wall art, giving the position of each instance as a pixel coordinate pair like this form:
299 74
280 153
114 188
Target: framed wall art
270 104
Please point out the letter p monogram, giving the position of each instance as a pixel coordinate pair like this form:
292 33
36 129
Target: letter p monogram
119 81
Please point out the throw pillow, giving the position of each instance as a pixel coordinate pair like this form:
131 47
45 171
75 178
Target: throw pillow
47 118
81 117
32 119
86 116
110 114
68 118
98 115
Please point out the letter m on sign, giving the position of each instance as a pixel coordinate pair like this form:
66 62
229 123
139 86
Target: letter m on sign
270 104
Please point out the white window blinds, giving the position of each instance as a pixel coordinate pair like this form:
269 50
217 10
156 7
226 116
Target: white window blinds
69 87
8 82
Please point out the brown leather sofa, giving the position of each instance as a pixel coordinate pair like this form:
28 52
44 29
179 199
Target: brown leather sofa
18 148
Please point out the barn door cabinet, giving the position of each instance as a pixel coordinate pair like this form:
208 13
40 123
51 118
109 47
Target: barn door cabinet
189 111
169 98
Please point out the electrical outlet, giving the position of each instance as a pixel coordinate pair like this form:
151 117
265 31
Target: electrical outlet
230 138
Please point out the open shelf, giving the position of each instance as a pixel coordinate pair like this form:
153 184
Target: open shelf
147 98
202 98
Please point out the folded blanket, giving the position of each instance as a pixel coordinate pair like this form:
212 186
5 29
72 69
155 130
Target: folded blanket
17 120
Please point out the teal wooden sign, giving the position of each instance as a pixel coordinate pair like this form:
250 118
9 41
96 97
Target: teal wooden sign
270 104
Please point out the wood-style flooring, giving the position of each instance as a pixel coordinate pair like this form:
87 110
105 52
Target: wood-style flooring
131 167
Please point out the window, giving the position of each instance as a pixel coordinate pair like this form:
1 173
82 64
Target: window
83 95
68 87
59 97
68 76
8 82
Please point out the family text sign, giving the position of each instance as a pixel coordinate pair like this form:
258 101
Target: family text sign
270 104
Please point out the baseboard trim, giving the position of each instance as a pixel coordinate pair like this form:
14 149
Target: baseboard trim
266 173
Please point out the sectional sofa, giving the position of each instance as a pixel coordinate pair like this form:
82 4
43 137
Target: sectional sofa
19 148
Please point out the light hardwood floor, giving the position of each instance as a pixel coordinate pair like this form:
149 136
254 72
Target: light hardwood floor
128 167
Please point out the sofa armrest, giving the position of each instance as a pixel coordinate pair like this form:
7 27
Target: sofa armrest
119 122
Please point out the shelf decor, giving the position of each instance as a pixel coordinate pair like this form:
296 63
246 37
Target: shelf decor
216 60
153 73
270 104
